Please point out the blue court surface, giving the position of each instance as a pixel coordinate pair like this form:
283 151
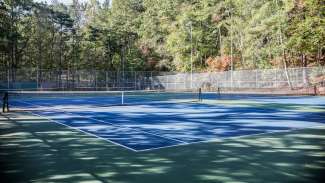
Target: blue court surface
153 125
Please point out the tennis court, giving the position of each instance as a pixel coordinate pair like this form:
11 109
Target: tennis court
161 136
150 120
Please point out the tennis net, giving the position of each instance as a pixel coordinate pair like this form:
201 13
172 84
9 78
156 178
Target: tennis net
102 97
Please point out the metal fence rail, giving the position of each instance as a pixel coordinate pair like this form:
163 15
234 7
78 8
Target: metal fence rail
112 80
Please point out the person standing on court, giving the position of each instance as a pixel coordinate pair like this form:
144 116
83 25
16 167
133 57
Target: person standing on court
200 95
5 104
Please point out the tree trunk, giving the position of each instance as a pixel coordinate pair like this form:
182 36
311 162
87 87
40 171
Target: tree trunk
318 55
60 58
304 70
286 70
284 56
39 63
122 66
220 41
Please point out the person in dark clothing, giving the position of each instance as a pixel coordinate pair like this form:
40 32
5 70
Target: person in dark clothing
200 94
5 102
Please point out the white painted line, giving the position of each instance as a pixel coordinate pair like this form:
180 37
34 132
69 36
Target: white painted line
183 143
237 137
82 131
108 123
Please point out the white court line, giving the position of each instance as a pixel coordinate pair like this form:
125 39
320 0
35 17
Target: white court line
83 131
185 143
180 145
109 123
237 137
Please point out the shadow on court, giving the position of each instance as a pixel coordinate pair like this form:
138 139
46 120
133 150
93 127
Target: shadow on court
192 122
34 150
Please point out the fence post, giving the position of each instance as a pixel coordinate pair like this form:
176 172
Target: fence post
117 80
191 80
77 75
232 79
37 76
175 80
95 79
106 80
135 80
167 82
256 81
67 85
184 80
8 79
276 78
152 84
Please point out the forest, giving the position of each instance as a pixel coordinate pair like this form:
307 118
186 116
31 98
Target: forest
161 35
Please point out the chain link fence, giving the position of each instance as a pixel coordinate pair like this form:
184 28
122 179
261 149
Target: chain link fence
273 78
258 80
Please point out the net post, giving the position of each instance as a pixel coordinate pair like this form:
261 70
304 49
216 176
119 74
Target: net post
217 82
122 98
200 95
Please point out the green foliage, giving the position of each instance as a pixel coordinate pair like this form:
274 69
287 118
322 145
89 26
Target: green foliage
306 31
160 35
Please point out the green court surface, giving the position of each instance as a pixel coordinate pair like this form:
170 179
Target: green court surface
36 150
